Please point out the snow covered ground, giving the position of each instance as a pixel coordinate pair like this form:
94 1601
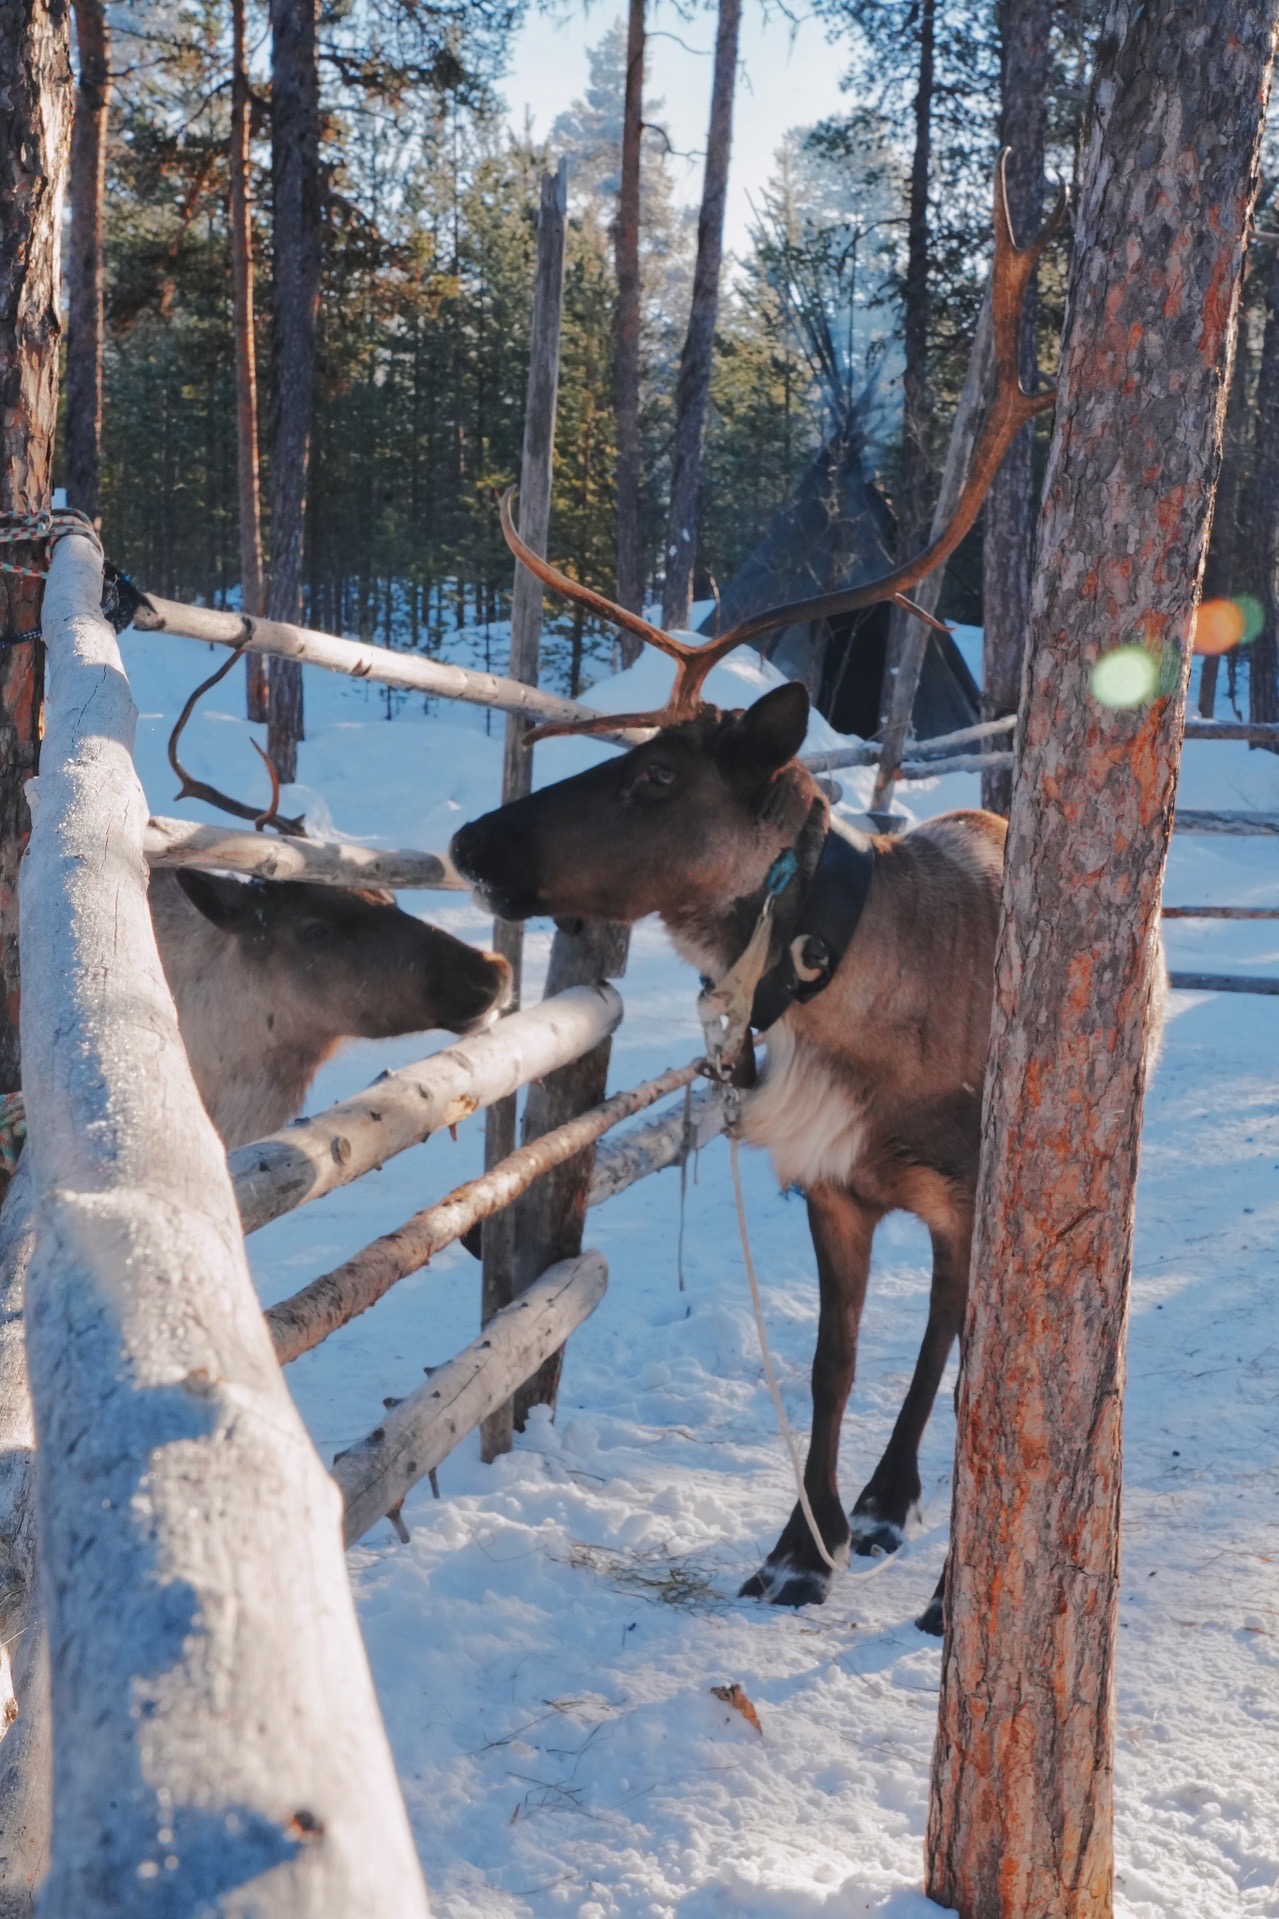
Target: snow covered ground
545 1646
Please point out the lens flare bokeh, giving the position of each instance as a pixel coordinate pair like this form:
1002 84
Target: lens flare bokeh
1222 625
1127 677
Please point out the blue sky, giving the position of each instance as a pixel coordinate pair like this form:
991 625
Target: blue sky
790 77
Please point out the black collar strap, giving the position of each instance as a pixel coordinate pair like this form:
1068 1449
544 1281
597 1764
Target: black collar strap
828 892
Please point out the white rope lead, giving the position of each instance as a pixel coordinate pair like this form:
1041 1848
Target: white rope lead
769 1374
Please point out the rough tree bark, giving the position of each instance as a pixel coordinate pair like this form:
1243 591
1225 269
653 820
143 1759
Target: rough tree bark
201 1627
626 373
915 485
1263 512
246 359
35 133
85 304
295 297
1021 1813
693 390
497 1237
1025 74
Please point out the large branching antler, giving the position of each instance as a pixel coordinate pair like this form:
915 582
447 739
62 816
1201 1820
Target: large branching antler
193 789
1010 409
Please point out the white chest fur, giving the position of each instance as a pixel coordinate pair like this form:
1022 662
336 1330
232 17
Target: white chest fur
813 1126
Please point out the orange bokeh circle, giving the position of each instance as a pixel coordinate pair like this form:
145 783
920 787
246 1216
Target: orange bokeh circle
1219 625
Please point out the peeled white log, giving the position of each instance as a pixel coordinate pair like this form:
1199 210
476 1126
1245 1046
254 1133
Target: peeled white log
358 661
301 1322
300 1162
214 1723
329 862
413 1437
649 1149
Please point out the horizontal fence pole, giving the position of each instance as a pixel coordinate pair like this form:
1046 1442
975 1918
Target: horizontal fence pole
620 1163
329 862
313 1156
301 1322
956 763
1196 820
413 1438
867 752
1222 983
200 1621
1263 732
360 662
1221 912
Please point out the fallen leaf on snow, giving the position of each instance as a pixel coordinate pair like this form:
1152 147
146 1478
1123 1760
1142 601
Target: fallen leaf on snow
740 1702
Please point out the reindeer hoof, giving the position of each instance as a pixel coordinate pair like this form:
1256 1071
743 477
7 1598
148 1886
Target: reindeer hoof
787 1585
933 1618
874 1535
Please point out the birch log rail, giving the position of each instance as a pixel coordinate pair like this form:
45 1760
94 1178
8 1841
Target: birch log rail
412 1438
200 1619
313 1156
355 659
328 862
1239 824
301 1322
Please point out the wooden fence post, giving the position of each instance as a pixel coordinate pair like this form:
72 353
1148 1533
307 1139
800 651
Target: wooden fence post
498 1236
550 1219
1021 1814
215 1728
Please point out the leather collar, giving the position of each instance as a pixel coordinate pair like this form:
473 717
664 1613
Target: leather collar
816 917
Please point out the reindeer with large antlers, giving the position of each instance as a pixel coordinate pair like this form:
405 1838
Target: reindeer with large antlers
871 975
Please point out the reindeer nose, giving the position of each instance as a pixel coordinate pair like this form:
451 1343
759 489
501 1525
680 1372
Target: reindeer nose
467 852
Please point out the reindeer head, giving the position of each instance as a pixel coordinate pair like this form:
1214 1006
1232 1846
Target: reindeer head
336 963
674 823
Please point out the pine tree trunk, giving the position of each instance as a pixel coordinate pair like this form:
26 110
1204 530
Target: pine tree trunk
246 367
295 186
35 134
1222 565
1026 69
85 332
1263 654
694 387
626 255
917 409
1021 1813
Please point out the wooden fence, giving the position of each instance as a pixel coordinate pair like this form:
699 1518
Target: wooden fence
170 1458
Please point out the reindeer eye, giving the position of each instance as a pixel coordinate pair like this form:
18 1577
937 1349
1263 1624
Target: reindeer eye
656 776
313 932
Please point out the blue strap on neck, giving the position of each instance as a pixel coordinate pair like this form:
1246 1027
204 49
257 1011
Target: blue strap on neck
781 873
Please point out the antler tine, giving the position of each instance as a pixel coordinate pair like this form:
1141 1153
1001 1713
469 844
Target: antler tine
193 789
1009 411
583 595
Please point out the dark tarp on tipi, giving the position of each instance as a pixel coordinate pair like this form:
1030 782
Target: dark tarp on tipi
838 530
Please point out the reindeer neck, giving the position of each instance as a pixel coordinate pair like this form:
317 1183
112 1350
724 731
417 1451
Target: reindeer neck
711 929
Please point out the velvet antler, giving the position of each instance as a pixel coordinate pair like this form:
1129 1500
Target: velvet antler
1010 410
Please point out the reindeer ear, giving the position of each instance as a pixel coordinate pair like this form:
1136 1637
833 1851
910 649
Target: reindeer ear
767 734
229 904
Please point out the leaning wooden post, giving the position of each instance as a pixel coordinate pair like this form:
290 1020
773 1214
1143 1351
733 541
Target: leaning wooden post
1021 1814
906 668
214 1724
498 1238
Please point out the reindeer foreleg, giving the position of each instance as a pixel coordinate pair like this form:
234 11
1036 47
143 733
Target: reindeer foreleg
794 1574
